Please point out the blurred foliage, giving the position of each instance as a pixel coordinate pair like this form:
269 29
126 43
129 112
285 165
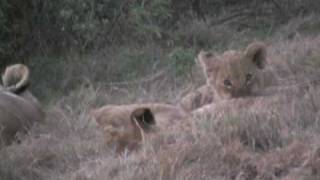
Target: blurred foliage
48 29
29 27
66 42
182 61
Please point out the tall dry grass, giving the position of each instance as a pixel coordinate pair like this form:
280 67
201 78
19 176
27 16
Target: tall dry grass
277 140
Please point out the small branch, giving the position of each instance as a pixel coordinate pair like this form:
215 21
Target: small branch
228 18
277 5
115 20
144 80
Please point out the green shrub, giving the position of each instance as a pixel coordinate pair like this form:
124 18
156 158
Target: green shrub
132 64
30 27
182 61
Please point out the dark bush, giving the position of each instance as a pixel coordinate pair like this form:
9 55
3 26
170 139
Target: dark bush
30 27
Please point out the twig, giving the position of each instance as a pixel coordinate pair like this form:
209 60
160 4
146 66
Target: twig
277 5
115 20
144 80
231 17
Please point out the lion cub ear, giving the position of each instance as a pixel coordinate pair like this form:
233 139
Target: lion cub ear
207 61
257 53
144 117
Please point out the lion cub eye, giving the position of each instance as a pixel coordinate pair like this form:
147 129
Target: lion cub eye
227 83
248 78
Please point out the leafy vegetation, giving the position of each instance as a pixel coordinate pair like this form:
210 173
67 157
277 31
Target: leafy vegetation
88 53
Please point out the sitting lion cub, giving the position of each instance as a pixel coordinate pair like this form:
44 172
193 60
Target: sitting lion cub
230 75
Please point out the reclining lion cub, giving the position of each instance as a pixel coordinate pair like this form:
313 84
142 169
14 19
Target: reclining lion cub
126 126
19 109
230 75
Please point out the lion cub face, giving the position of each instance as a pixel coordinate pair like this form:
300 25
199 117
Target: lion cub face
234 73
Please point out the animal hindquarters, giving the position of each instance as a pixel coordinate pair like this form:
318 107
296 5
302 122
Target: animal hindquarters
16 115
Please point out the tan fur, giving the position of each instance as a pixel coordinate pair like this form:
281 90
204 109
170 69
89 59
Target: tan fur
120 129
230 75
196 99
273 103
19 109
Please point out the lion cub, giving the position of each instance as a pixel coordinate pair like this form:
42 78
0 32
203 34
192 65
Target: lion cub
126 126
230 75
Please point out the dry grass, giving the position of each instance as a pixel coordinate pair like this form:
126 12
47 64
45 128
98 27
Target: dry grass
278 140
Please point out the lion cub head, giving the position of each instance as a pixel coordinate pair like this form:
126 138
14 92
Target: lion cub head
124 126
234 73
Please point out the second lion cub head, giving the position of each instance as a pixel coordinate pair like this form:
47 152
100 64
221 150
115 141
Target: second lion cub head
234 73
